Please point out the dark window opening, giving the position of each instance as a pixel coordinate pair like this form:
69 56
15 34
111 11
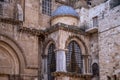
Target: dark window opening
1 9
114 3
74 58
1 0
46 7
51 61
95 21
95 69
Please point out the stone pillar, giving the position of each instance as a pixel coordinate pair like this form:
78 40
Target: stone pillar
60 60
84 72
44 67
86 64
40 52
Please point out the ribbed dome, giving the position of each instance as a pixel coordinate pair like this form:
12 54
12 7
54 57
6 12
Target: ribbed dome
65 10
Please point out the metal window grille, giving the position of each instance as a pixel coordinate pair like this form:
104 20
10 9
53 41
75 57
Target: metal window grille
46 7
51 61
74 58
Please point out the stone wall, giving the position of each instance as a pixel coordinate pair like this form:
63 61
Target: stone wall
109 43
28 43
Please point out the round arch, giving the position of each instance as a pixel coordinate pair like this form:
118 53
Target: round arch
15 53
47 44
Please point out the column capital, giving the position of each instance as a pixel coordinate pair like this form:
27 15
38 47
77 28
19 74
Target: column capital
44 56
85 55
59 49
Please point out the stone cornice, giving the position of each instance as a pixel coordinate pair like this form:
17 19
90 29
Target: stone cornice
69 74
61 26
31 31
47 31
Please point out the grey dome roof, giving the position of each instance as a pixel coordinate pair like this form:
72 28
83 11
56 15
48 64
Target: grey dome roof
65 10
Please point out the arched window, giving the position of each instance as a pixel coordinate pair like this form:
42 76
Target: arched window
51 61
95 69
47 7
74 58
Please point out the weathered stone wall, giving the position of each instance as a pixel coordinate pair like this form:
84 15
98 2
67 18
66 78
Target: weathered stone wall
109 43
44 20
27 42
32 14
94 48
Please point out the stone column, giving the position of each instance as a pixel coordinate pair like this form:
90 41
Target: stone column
84 71
60 60
44 67
86 64
40 52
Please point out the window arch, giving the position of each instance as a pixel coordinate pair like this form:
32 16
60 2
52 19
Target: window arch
47 7
51 61
95 69
74 58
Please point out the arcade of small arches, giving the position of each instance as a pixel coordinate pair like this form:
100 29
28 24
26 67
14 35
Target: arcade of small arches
73 59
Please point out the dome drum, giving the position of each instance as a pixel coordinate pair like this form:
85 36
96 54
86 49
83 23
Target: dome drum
66 15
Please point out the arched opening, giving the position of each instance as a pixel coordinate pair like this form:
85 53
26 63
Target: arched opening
74 58
51 61
95 71
9 63
12 60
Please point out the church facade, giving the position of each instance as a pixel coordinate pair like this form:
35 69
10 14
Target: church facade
59 40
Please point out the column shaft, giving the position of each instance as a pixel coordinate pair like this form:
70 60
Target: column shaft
61 60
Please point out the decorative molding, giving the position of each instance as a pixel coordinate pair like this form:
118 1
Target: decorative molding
60 50
47 31
65 27
64 16
31 31
10 21
69 74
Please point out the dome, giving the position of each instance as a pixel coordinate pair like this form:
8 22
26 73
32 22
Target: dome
65 10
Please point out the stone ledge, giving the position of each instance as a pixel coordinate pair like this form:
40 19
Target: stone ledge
59 26
69 74
10 20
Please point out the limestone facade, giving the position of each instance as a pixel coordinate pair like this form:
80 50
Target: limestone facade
26 34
